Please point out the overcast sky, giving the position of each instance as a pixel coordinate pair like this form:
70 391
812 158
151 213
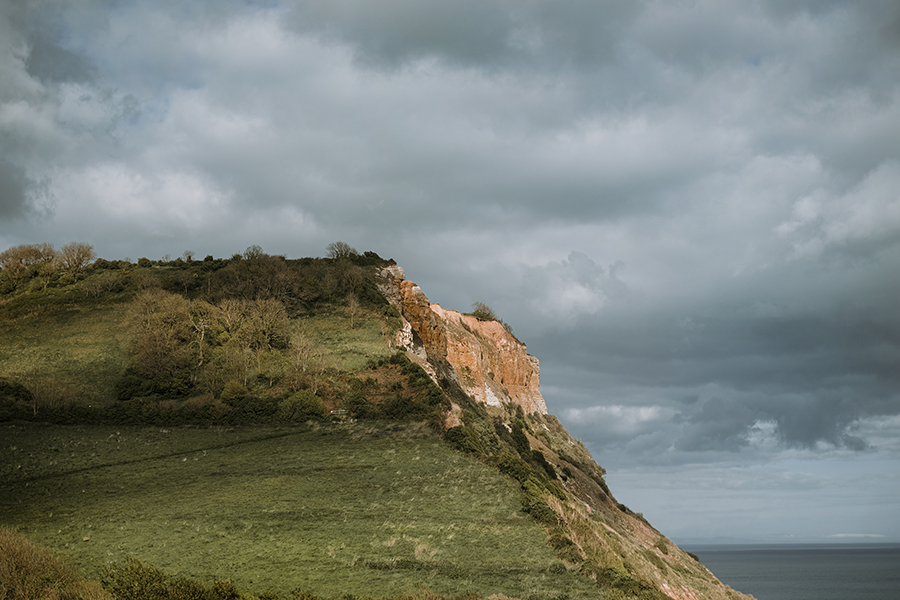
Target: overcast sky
689 211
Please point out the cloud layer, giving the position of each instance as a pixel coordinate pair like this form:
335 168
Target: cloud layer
689 211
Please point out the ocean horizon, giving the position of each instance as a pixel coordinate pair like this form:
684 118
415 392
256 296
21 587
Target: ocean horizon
809 571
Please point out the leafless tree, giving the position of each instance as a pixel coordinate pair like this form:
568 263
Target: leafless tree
75 256
338 250
354 310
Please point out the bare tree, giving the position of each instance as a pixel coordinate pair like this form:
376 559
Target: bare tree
203 316
338 250
75 256
253 252
354 310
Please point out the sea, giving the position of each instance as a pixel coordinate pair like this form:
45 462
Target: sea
806 572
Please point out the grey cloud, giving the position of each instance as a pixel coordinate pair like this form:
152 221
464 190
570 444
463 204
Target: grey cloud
13 189
719 424
470 33
49 62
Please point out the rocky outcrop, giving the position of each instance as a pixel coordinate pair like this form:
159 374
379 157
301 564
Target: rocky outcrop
485 359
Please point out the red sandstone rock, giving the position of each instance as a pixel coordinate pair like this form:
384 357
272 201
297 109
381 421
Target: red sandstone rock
490 364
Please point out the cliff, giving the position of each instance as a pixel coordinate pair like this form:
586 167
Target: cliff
482 357
613 545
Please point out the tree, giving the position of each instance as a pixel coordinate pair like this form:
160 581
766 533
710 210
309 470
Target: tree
21 262
354 310
75 256
164 331
338 250
253 252
203 317
306 362
483 312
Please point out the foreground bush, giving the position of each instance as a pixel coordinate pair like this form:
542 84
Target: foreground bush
31 572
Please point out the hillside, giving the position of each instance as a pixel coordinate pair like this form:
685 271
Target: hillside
310 424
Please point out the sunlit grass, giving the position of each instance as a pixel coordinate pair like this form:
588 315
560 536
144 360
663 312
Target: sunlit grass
345 348
331 510
82 350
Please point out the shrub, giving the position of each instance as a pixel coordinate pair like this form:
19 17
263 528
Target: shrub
136 581
233 392
302 406
483 312
534 504
31 572
520 440
515 467
464 439
14 399
359 406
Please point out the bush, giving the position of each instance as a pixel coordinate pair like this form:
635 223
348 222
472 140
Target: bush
464 439
136 581
14 399
233 392
302 406
31 572
359 406
483 312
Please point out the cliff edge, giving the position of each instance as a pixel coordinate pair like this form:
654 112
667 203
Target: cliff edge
488 362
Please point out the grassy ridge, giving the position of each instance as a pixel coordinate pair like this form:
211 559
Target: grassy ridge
331 510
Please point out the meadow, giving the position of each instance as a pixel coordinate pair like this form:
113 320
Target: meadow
331 509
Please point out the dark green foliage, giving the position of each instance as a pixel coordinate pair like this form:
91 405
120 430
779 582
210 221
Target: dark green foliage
537 458
534 504
135 580
464 439
359 406
14 399
302 406
520 440
513 465
618 583
403 408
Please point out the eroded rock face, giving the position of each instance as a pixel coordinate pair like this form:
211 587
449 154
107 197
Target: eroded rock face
487 361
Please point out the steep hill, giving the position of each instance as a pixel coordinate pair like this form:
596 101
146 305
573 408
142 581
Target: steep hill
220 378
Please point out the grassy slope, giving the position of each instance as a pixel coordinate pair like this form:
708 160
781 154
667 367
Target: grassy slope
331 510
81 350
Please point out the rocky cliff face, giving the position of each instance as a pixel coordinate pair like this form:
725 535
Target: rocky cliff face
487 361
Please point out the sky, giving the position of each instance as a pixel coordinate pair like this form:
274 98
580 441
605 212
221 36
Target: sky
689 211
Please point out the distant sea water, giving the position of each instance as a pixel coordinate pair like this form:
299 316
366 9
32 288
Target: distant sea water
806 572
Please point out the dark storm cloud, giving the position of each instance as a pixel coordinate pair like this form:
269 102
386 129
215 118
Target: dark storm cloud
13 188
48 62
689 211
482 34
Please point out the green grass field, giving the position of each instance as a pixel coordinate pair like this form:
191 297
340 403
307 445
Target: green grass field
332 509
345 348
81 352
